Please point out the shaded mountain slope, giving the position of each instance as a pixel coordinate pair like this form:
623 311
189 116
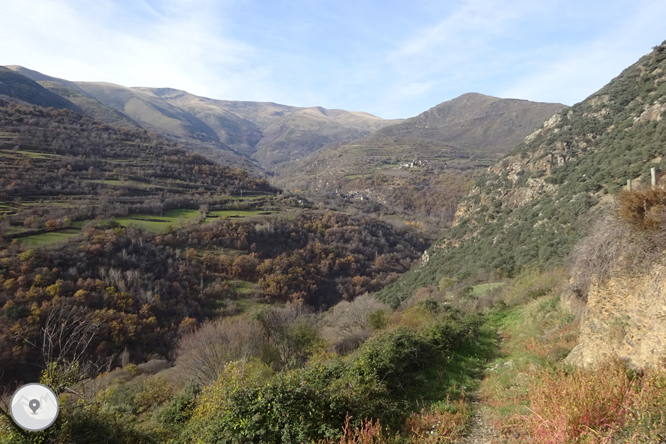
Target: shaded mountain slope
269 132
530 208
58 155
39 77
150 111
263 132
231 129
475 122
420 168
90 106
155 114
301 133
17 86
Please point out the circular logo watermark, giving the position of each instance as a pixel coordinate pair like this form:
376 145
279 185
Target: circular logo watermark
34 407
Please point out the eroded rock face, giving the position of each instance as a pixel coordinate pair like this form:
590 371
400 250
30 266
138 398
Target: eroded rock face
625 318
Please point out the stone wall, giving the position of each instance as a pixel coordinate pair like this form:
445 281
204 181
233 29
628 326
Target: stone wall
625 317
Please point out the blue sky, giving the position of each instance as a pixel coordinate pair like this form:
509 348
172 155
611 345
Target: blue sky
390 58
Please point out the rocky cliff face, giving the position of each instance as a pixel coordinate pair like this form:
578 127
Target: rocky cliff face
625 318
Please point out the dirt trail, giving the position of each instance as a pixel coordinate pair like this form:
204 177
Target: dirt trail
480 431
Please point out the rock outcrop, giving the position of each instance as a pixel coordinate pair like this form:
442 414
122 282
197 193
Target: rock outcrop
625 318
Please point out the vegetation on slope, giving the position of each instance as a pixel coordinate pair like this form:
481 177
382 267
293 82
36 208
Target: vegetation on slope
420 169
362 371
532 207
58 164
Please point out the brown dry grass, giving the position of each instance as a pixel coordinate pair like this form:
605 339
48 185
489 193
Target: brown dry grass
643 209
629 239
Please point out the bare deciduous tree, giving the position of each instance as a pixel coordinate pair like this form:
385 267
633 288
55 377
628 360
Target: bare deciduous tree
349 319
204 353
292 330
64 341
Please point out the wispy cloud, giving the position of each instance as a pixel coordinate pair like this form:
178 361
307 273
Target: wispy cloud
179 44
470 24
580 69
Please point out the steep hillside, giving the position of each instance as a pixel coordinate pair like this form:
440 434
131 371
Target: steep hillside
267 132
71 91
471 130
529 209
150 111
238 133
59 164
39 77
91 107
301 133
151 240
421 167
17 86
476 123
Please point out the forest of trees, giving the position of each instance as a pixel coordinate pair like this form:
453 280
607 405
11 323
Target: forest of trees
145 289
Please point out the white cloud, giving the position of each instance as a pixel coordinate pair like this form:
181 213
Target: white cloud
471 23
181 44
583 68
412 90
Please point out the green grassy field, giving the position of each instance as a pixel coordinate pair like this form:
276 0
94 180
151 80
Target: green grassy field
39 240
241 287
124 183
254 197
478 290
17 229
159 224
237 213
30 154
150 222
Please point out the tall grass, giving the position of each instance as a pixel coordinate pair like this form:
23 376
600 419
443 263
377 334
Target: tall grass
445 423
368 433
534 398
595 406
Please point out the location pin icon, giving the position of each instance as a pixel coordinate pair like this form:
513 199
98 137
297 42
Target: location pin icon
34 405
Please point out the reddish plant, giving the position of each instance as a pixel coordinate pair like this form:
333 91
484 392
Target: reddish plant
368 433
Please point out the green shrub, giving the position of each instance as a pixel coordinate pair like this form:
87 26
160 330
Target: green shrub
391 356
78 424
290 407
377 319
155 391
249 404
183 404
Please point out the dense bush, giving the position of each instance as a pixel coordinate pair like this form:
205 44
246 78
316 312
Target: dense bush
644 209
248 404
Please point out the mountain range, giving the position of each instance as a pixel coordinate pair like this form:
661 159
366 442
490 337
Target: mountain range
262 132
471 131
280 138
